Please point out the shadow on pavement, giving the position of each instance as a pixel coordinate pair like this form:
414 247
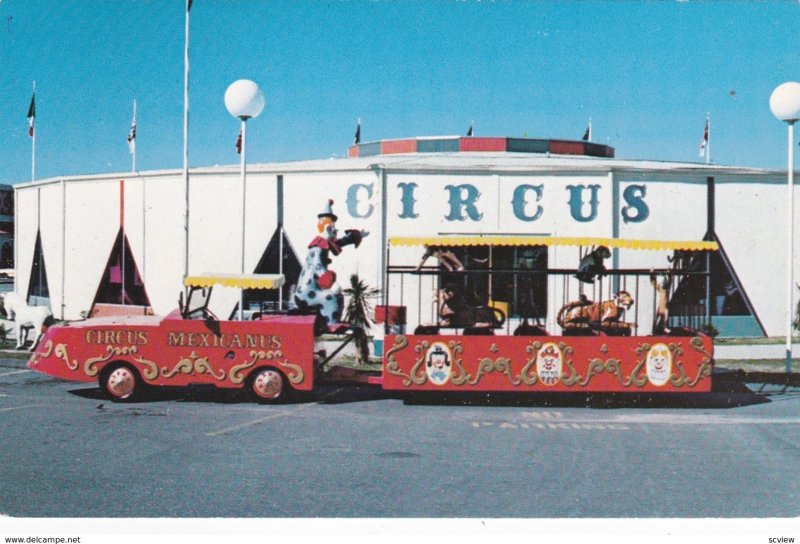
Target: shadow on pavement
727 391
730 389
209 394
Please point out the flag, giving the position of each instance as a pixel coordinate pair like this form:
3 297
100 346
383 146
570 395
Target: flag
357 139
704 141
587 134
470 132
239 143
188 5
31 114
132 133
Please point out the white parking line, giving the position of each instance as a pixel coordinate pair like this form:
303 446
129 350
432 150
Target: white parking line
15 372
247 424
10 408
284 413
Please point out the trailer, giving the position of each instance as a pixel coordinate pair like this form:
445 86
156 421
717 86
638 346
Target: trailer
600 347
471 344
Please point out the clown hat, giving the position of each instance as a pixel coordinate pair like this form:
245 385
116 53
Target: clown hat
328 211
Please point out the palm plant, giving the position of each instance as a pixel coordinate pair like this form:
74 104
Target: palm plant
358 312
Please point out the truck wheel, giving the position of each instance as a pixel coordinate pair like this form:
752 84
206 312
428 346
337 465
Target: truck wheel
267 385
120 382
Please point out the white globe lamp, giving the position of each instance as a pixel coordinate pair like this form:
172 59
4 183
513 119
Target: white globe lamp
244 100
785 101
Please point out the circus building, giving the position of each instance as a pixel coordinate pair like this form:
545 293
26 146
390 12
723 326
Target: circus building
116 243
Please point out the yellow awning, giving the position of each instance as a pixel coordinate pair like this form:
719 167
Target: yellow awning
460 241
240 281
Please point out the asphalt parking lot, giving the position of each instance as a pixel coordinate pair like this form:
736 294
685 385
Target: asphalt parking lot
353 451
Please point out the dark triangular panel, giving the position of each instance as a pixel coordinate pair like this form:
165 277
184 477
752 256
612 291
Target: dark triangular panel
269 263
121 282
38 290
721 291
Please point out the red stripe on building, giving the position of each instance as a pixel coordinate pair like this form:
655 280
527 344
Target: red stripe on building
482 144
398 146
562 147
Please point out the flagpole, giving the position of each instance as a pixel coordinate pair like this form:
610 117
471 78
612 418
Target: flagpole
33 138
133 164
186 142
708 143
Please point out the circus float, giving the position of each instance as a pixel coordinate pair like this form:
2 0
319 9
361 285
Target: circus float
461 339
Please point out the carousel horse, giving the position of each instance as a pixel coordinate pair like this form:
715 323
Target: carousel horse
317 290
26 317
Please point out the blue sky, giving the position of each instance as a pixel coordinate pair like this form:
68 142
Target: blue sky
646 73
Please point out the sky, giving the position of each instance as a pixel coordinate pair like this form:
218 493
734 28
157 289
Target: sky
646 73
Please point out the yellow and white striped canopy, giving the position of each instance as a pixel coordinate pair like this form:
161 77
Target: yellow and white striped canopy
494 240
240 281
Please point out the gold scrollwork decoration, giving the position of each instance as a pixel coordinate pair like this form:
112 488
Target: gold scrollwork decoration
487 366
704 371
613 366
683 379
183 366
295 373
90 365
696 343
236 373
48 349
61 352
525 375
393 367
203 366
642 350
596 366
458 363
637 377
150 371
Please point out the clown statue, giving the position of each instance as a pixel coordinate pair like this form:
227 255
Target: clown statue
317 290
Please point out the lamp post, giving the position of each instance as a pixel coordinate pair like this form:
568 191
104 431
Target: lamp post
244 100
785 105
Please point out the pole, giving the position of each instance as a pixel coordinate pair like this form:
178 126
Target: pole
133 149
790 246
33 140
708 143
281 234
244 204
186 143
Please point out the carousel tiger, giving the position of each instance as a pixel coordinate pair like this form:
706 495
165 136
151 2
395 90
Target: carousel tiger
586 311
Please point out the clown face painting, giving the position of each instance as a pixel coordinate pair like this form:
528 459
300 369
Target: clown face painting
438 363
659 364
549 363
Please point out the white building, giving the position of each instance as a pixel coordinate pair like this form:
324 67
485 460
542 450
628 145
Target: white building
73 233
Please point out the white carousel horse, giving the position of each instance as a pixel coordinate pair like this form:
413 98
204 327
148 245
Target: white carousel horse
26 317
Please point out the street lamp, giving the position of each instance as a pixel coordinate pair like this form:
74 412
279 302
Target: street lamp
244 100
785 105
